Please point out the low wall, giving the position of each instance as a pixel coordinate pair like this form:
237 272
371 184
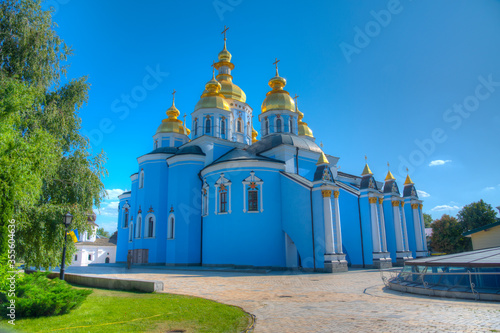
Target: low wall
109 283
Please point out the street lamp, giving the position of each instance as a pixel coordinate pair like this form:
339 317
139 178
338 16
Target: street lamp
67 221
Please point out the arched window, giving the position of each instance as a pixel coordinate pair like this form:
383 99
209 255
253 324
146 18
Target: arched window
138 227
107 260
291 125
223 127
141 179
267 126
223 199
252 196
195 127
223 195
131 231
125 218
278 125
253 200
238 126
171 227
207 126
150 231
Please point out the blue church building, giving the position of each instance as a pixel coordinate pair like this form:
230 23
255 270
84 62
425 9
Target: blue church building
217 196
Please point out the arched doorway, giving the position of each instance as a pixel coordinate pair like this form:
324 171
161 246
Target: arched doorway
107 260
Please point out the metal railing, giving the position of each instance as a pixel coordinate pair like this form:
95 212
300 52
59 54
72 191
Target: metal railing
467 281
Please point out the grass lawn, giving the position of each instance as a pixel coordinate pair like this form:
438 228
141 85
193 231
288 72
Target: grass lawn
121 311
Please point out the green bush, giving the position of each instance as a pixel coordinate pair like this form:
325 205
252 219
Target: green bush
38 296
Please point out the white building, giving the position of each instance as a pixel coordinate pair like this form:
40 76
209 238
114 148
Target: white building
93 249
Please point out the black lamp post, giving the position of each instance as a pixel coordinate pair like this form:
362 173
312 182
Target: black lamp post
67 221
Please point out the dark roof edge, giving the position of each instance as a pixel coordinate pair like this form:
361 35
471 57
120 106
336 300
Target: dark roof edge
484 227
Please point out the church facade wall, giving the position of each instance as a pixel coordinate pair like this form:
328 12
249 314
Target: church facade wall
351 228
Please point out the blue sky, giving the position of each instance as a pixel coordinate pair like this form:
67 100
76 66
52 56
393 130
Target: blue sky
412 83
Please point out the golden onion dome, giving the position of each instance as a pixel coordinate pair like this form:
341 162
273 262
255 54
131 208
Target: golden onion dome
278 98
172 124
212 98
230 90
303 129
254 135
224 55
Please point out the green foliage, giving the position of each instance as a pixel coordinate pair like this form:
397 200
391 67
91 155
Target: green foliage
102 232
38 296
31 48
427 220
476 215
447 236
110 311
46 165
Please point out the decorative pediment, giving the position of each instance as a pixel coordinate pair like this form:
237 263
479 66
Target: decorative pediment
252 178
222 180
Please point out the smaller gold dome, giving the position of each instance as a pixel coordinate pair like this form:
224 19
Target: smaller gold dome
254 135
211 97
278 98
224 55
172 124
303 129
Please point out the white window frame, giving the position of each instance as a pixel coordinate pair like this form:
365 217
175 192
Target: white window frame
239 123
208 119
146 226
138 226
246 182
141 179
276 125
131 232
170 229
227 184
126 211
223 127
205 191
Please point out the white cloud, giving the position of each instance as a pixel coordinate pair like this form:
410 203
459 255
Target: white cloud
114 193
442 208
423 194
110 209
490 188
439 162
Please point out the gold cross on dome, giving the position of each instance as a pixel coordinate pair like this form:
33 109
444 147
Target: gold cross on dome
366 159
224 32
173 95
295 97
275 63
213 68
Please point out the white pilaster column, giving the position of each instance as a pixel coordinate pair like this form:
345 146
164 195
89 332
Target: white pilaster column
327 217
338 232
375 225
382 224
422 223
397 226
405 229
417 227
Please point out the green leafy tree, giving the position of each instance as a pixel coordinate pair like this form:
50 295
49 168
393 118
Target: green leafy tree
476 215
102 232
427 220
447 236
46 166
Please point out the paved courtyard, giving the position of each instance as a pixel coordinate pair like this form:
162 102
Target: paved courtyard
355 301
